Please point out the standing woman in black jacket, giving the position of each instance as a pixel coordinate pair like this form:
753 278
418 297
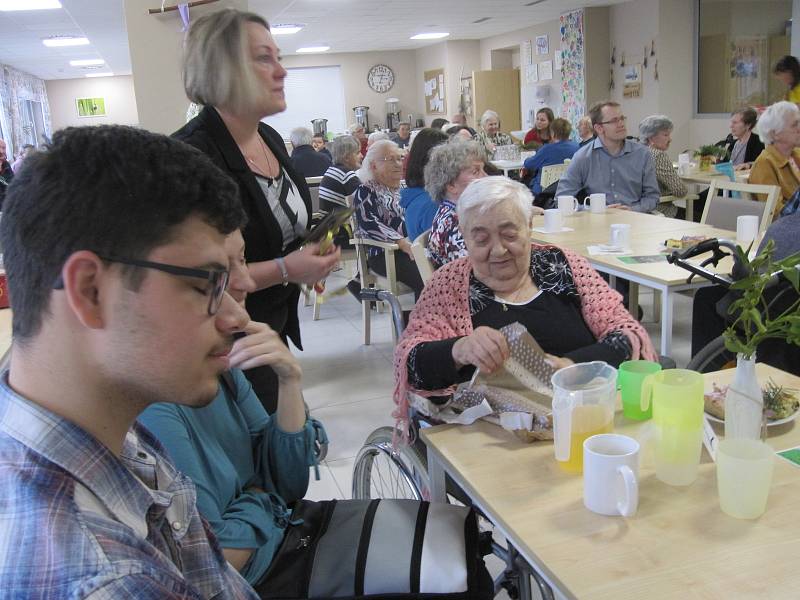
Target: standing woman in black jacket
232 67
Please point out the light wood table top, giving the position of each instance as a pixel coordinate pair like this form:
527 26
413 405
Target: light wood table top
678 545
697 176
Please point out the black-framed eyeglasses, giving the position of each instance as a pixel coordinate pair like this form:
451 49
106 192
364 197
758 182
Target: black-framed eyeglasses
217 279
615 120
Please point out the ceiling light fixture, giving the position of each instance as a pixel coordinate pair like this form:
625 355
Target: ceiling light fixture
65 40
103 74
429 36
285 28
9 5
481 20
535 2
313 49
87 62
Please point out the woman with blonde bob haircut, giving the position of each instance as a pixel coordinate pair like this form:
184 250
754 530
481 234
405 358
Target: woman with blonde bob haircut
232 67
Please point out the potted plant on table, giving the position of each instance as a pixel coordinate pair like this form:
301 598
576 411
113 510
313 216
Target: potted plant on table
708 155
754 323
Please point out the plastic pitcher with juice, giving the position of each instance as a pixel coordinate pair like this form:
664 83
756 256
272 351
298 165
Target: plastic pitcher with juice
584 398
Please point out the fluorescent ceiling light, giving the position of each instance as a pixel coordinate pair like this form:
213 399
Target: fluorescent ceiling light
312 49
285 28
9 5
65 40
87 62
428 36
104 74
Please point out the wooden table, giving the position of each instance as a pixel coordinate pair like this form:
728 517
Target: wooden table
678 545
705 177
648 232
508 165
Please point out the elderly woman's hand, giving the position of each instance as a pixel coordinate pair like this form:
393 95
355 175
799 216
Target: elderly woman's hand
558 362
486 348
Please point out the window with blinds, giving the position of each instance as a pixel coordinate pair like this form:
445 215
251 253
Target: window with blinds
311 93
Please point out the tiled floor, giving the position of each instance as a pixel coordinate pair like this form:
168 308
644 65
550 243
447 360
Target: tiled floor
348 386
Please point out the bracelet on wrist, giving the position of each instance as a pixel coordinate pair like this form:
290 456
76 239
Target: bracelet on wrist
284 271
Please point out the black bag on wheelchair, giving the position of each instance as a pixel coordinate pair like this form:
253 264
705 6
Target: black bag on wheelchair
370 549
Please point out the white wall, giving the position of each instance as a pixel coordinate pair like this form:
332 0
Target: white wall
117 91
354 69
458 58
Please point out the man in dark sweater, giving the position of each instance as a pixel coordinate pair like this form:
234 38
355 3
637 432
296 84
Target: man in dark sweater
305 160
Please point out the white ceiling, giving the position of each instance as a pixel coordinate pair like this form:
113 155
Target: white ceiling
344 25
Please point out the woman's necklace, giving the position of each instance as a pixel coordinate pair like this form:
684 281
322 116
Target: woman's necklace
515 297
270 169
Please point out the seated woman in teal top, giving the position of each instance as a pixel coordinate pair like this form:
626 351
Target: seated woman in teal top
243 490
551 154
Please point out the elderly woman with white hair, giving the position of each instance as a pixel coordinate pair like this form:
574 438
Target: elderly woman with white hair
305 159
357 131
379 215
655 132
779 163
490 135
564 303
450 169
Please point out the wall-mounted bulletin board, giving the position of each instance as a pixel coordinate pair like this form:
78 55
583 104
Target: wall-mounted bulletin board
434 92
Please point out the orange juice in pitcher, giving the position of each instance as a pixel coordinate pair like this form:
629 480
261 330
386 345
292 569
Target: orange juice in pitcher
584 397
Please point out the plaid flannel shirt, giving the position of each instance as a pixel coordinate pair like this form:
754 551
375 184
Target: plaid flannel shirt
78 522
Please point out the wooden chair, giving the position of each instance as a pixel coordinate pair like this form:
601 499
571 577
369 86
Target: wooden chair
313 187
722 212
418 249
551 174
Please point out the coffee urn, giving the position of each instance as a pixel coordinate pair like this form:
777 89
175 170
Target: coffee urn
392 113
362 116
320 127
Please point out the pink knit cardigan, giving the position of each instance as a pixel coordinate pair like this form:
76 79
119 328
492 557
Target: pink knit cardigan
442 312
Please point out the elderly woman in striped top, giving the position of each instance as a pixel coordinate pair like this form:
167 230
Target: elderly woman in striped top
340 180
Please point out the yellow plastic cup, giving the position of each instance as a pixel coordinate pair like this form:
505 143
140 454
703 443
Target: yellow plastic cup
744 477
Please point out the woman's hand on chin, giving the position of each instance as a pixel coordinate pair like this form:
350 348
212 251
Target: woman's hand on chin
485 348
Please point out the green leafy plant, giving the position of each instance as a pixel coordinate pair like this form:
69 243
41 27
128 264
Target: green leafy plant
753 323
710 150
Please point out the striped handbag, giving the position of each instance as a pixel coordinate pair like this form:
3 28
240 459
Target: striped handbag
369 549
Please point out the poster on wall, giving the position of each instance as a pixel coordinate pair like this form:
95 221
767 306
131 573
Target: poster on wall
527 52
748 71
434 92
542 44
531 74
573 60
465 104
545 70
632 86
91 107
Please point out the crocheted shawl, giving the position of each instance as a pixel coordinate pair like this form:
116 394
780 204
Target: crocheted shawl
442 312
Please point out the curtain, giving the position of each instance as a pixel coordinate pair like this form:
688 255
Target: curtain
16 86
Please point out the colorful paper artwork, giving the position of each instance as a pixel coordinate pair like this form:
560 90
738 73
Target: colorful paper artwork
573 62
542 44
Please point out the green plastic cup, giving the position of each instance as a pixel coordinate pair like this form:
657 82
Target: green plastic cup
629 380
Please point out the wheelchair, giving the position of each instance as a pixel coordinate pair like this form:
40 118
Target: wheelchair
382 470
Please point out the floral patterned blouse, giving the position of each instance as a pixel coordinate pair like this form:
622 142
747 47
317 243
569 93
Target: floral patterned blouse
379 214
498 139
445 242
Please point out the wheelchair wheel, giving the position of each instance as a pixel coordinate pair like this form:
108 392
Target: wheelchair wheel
382 472
712 357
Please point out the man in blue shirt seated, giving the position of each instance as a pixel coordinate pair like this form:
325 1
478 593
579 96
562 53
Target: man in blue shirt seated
611 164
554 153
117 272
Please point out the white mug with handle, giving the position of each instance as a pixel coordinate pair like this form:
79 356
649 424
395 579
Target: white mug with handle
620 235
567 205
611 474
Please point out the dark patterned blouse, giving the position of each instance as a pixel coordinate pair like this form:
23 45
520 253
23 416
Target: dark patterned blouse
445 243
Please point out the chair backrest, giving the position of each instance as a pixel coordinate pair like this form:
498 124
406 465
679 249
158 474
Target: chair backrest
722 212
313 187
551 174
421 259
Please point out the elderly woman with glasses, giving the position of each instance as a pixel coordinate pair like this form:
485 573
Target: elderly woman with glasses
379 215
779 163
449 171
489 135
564 303
655 132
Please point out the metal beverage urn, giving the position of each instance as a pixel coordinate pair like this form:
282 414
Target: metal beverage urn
362 116
320 127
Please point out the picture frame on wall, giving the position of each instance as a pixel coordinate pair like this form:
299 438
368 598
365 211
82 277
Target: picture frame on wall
91 107
542 45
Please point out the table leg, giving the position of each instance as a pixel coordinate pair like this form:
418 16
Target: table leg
689 209
667 302
633 299
436 476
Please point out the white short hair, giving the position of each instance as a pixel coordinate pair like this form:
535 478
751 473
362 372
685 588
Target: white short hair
378 149
775 119
301 136
489 114
355 127
482 195
376 136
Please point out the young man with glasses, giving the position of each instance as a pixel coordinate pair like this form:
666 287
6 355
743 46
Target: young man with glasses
117 274
620 168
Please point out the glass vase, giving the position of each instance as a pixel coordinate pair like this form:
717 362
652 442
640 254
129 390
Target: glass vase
744 402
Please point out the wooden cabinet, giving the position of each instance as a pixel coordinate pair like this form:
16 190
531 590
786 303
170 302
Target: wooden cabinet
498 90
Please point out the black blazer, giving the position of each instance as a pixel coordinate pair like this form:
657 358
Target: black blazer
310 163
751 151
277 305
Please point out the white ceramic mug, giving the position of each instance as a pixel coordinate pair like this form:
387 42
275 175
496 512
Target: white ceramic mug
611 474
746 229
597 203
620 235
552 220
567 205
